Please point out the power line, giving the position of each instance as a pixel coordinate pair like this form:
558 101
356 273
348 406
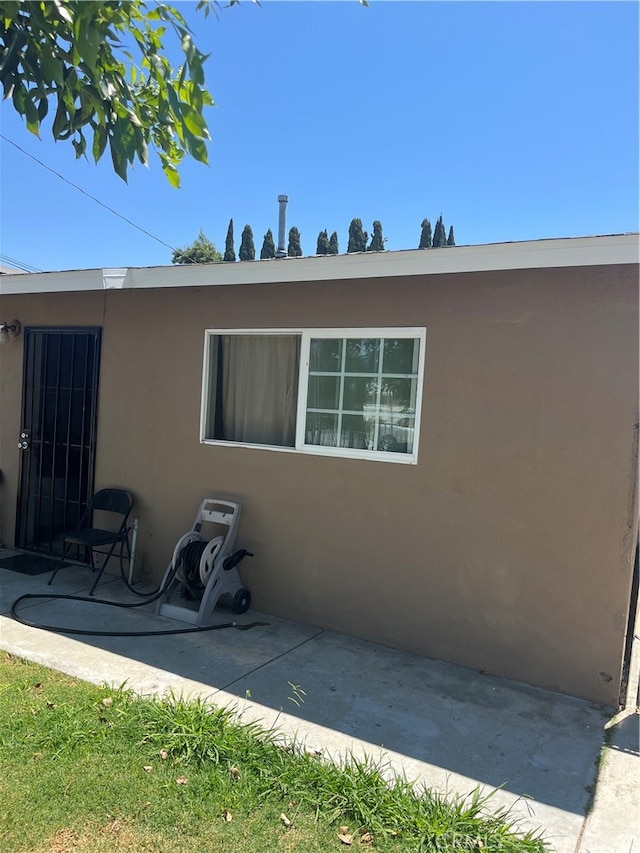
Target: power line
13 262
93 198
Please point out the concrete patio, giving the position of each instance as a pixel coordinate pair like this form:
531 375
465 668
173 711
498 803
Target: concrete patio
445 726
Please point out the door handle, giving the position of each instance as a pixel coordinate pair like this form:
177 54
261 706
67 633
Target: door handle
23 445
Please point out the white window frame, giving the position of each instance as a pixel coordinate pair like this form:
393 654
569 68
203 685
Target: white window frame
306 335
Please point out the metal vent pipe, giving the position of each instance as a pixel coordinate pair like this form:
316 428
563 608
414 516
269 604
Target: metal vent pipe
281 251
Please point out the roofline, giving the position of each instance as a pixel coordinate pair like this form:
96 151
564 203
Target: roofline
530 254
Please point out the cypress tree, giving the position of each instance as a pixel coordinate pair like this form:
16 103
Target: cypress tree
295 249
357 237
426 237
247 249
377 240
439 235
333 243
268 246
322 247
229 251
451 240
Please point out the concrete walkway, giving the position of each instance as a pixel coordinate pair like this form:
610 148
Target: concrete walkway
448 727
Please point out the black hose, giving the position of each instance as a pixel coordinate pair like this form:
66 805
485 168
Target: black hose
189 561
148 596
92 600
145 595
188 558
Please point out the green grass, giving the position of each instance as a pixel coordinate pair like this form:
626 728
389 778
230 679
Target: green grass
91 769
600 761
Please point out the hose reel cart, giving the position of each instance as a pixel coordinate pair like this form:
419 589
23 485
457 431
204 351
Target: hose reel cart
203 567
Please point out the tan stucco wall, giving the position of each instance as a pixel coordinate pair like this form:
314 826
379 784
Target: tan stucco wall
507 548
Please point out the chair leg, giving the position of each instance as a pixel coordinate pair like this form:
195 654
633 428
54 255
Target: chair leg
103 567
66 550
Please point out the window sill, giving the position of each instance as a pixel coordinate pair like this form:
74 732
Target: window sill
317 450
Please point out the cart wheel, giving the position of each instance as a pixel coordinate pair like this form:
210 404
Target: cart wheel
242 600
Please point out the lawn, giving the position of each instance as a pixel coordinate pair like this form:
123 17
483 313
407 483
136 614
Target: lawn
90 769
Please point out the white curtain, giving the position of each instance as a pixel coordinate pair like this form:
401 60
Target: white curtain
260 388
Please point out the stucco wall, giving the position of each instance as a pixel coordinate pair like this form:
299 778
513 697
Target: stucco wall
507 548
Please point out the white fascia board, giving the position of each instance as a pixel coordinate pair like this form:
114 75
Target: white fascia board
67 281
531 254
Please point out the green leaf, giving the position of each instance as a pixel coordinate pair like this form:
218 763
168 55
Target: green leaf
193 95
118 160
33 120
187 45
99 142
174 101
107 88
196 147
52 67
7 86
125 139
93 97
80 146
141 146
20 99
196 61
194 122
134 119
86 106
87 42
63 11
172 175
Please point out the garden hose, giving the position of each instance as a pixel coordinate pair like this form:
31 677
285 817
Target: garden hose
187 563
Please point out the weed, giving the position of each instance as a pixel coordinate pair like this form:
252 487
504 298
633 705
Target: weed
599 763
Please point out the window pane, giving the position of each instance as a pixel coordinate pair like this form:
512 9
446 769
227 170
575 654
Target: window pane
325 355
253 394
396 436
321 429
357 431
398 395
374 394
362 355
358 392
324 392
400 356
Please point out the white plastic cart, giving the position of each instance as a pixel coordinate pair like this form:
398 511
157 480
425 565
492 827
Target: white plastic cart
203 566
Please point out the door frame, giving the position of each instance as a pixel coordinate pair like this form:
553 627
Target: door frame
31 386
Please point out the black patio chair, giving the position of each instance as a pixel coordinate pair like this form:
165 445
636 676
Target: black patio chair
116 502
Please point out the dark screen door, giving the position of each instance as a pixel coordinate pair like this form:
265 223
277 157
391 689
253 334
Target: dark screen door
58 434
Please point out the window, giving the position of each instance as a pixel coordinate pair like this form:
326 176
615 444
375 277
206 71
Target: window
338 392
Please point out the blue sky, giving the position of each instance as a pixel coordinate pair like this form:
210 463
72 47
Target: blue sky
516 121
